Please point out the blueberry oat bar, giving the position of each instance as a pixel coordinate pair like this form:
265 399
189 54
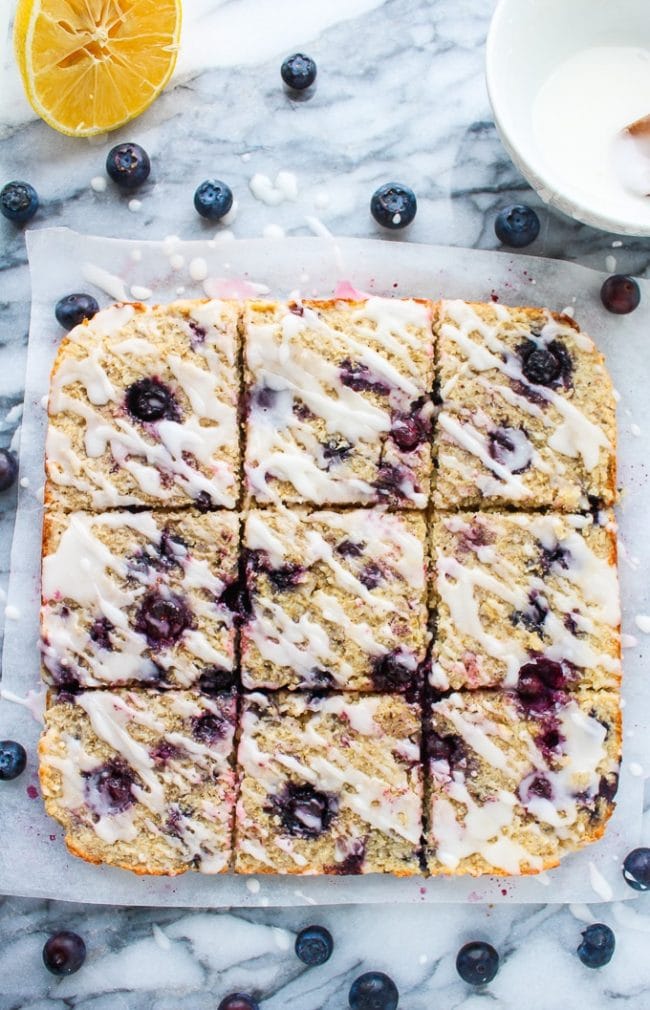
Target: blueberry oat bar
142 780
512 588
527 413
143 409
139 598
339 408
519 779
336 600
329 785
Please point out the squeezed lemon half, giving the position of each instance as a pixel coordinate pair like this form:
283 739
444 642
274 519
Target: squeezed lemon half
89 66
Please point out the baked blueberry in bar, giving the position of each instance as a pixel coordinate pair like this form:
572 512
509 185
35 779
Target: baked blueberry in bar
527 413
139 598
336 600
143 409
339 408
141 779
515 590
518 779
329 785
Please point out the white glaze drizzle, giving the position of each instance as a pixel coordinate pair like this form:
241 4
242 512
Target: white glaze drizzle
317 750
574 434
299 646
282 446
584 588
82 391
83 581
113 719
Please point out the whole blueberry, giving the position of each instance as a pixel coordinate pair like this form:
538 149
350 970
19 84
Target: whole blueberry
477 962
64 953
620 294
8 469
151 400
373 991
298 71
13 759
238 1001
162 619
128 165
393 205
18 201
73 309
314 945
597 947
636 869
517 225
213 199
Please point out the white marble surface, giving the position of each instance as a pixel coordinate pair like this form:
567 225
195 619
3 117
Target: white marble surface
400 95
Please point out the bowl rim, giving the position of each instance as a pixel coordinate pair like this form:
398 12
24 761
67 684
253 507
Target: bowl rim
548 191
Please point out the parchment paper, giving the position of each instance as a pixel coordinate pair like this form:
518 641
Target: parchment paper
33 857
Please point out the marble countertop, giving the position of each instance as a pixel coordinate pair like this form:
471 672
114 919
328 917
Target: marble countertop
400 95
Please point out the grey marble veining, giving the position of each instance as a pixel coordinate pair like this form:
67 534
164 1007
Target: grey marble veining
400 95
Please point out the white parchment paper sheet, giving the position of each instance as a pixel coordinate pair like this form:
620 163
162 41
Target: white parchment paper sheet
33 857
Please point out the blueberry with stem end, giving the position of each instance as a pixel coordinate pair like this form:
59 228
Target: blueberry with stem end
64 953
314 945
298 72
620 294
636 869
597 947
8 469
18 201
128 165
71 310
393 205
373 990
13 759
213 199
477 962
516 225
238 1001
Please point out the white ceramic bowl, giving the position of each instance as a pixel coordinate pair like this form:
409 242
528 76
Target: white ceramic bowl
526 41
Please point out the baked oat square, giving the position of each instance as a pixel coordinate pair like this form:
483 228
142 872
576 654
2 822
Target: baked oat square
339 408
329 785
139 599
527 413
516 782
517 593
336 600
141 779
143 409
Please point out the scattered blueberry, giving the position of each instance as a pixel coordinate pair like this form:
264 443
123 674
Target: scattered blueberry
163 619
511 448
516 225
636 869
597 947
238 1001
209 728
73 309
8 469
286 577
213 680
477 963
357 376
393 205
314 945
151 400
64 953
13 759
18 201
128 165
620 294
546 366
213 199
449 748
100 633
373 991
298 72
390 673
